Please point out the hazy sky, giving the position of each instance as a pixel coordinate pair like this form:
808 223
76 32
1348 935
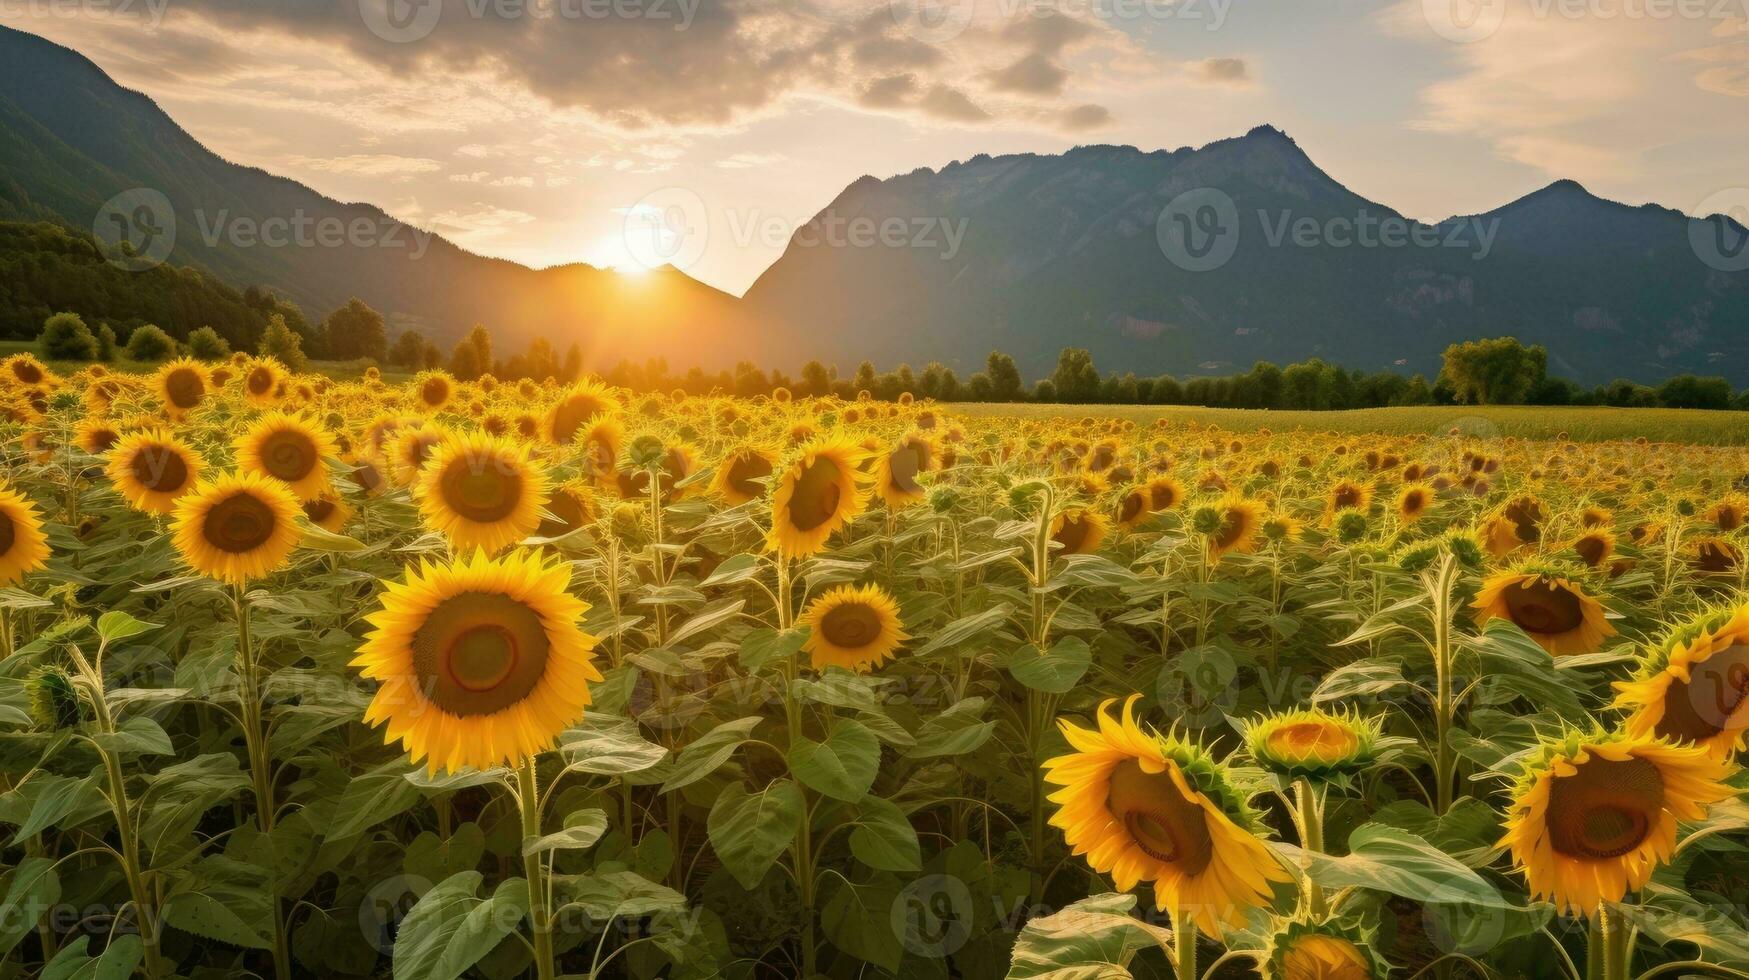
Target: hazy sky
533 129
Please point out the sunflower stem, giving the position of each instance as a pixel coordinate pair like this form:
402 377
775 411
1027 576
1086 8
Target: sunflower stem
260 764
1312 820
1184 947
534 869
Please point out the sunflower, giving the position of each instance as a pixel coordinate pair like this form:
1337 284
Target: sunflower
572 413
24 547
184 386
96 436
896 471
1164 493
1517 523
1548 606
237 527
1347 495
412 449
1312 742
815 496
26 370
262 379
1328 950
289 449
327 511
481 661
481 492
1230 525
1594 814
152 468
854 628
1714 556
1078 530
602 439
738 475
1133 508
432 390
1595 547
1150 807
1692 687
572 506
1413 501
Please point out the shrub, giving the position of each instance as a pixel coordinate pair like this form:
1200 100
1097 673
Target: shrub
65 337
148 343
105 342
206 345
280 341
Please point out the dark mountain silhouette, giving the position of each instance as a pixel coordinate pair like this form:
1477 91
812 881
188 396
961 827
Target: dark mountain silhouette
1063 250
71 139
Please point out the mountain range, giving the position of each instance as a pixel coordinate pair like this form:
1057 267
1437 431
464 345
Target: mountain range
1196 260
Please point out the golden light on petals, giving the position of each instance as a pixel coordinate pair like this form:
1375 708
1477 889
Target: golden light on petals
482 491
854 628
237 527
152 468
24 548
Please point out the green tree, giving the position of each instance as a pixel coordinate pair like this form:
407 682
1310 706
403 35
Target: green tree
464 361
205 344
1689 391
148 343
816 380
281 342
1499 371
354 331
1004 376
409 350
105 342
1076 380
65 337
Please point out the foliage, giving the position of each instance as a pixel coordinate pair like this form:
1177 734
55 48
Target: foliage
148 343
205 344
280 341
65 337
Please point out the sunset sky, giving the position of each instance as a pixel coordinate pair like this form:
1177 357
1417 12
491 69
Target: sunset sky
532 129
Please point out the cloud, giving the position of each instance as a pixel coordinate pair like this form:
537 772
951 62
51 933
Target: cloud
1085 117
1033 74
1220 71
371 164
945 102
891 92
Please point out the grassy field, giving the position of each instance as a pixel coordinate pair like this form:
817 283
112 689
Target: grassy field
1585 424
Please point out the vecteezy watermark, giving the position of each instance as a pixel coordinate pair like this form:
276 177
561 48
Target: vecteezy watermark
672 226
1466 21
1200 230
933 916
1719 232
142 222
405 21
151 12
938 21
143 225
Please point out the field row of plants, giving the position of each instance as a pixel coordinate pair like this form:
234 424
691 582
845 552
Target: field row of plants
303 677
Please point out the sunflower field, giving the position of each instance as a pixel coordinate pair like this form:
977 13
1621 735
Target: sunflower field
311 678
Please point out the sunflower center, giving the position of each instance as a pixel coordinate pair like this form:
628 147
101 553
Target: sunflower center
159 469
851 625
744 470
102 440
1320 740
260 381
1606 808
484 494
1347 497
478 653
816 495
903 466
1232 529
568 511
1073 534
1707 702
1414 502
1133 502
1592 549
239 524
8 532
1161 821
288 455
28 373
1540 607
184 388
318 510
434 391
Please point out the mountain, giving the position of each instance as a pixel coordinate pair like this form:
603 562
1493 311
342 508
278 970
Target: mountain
1273 259
1065 250
71 139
